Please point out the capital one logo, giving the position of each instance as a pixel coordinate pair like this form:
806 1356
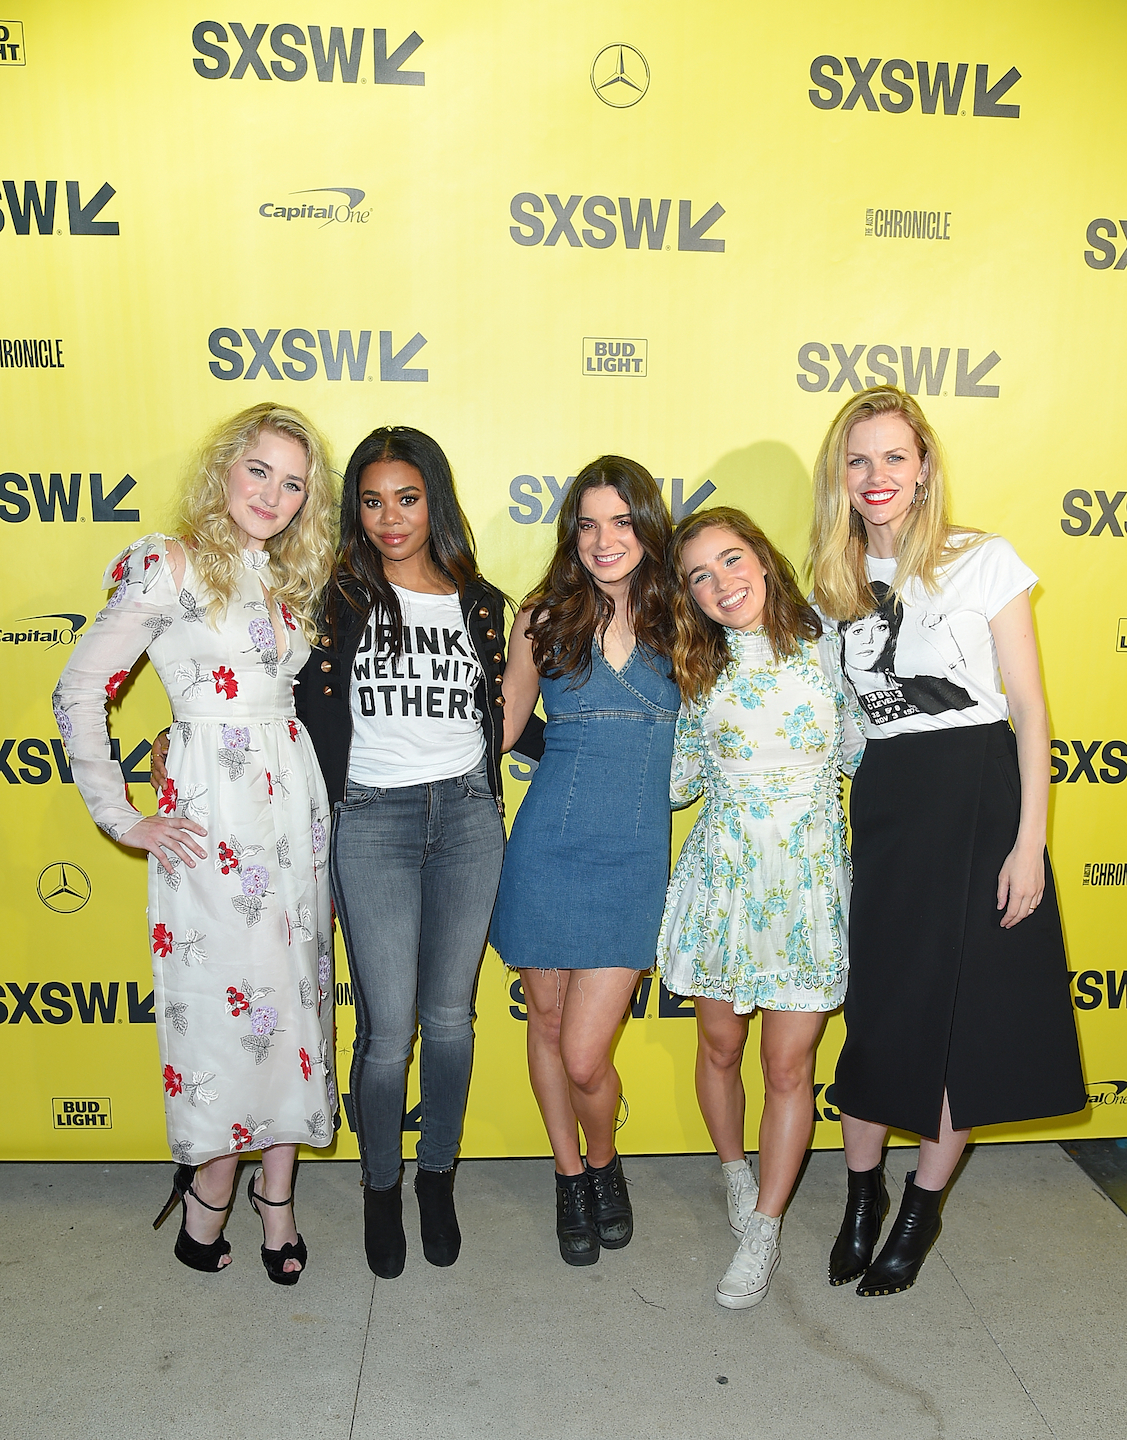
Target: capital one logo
237 54
934 82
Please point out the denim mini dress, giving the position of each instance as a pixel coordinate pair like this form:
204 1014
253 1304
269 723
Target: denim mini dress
583 884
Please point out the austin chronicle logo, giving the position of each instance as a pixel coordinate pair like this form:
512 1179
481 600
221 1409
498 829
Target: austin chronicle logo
63 887
620 76
1121 637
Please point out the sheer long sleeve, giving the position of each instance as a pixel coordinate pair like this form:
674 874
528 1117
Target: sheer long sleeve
853 734
141 608
685 781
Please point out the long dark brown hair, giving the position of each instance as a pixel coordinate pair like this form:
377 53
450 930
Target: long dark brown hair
358 578
568 608
701 652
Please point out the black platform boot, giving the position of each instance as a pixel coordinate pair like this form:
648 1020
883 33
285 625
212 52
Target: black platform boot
913 1233
866 1205
614 1219
442 1240
385 1244
575 1219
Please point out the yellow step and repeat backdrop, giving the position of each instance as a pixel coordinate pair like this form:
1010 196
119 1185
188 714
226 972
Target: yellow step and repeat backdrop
540 232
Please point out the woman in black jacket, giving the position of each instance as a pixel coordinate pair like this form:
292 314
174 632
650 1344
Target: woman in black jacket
402 699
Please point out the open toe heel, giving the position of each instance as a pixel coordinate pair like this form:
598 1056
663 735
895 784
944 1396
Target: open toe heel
189 1251
274 1261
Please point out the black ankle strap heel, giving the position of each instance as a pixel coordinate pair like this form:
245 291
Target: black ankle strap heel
273 1261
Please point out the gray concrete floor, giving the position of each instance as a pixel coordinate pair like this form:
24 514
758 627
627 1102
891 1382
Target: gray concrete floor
1013 1332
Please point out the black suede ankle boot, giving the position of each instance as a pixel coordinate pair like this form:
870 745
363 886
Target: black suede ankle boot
866 1205
913 1233
575 1219
442 1240
385 1244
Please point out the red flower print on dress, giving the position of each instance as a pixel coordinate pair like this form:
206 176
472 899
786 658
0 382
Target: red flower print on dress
269 785
228 860
225 682
306 1063
241 1137
173 1081
237 1002
294 732
168 797
151 559
287 616
119 569
115 682
162 940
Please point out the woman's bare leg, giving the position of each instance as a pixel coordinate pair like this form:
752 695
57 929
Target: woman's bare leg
212 1183
544 992
864 1141
787 1051
592 1011
938 1158
721 1037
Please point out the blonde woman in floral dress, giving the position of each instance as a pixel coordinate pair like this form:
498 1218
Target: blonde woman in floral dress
239 919
755 914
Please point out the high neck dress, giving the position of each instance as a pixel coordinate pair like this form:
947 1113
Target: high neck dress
588 860
756 911
241 944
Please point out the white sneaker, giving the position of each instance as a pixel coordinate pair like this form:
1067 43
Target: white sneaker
743 1193
746 1279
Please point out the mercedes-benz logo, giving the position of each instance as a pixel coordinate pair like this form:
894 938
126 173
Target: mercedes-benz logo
63 887
620 76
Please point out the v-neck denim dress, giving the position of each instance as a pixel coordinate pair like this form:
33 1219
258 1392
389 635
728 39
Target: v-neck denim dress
583 884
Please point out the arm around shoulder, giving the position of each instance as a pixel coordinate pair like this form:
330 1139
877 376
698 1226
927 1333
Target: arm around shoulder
521 685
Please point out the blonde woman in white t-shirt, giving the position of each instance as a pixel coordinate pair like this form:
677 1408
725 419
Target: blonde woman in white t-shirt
958 1011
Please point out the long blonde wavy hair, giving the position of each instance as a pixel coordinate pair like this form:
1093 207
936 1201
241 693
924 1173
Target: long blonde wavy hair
301 556
838 542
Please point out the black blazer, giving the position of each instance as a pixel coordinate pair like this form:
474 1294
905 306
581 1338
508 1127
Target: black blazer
322 694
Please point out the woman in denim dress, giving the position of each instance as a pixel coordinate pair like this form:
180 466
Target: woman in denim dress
584 879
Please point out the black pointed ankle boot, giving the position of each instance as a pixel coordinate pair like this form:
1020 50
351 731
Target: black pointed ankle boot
575 1219
913 1233
385 1244
442 1240
866 1205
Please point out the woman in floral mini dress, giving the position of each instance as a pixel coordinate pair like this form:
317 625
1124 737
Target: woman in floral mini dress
755 914
239 919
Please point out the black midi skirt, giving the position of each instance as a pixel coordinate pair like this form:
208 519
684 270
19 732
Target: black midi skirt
940 996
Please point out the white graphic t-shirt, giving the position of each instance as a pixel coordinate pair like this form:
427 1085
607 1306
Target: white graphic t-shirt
928 662
413 717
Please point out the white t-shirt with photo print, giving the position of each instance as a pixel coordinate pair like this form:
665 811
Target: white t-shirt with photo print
930 663
413 717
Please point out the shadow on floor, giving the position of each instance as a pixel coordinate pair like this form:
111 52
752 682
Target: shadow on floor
1105 1162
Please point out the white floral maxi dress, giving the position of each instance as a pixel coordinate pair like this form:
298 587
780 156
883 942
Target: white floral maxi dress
241 944
756 909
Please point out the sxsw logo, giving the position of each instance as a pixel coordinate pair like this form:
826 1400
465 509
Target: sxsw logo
920 366
38 205
58 1003
1079 760
301 351
327 212
33 761
91 1113
294 48
637 220
1090 991
935 84
11 43
615 357
60 500
531 509
1100 234
1078 519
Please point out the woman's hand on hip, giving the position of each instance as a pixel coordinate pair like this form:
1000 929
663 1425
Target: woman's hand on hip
1021 884
164 835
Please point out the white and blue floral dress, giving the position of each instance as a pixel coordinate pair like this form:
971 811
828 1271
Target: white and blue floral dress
756 910
241 944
